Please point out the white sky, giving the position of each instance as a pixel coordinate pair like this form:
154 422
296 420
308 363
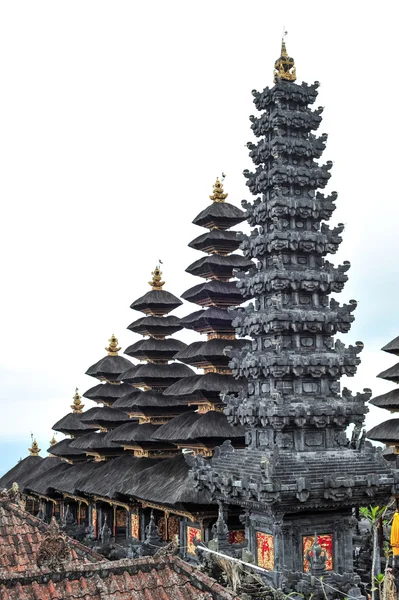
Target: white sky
116 118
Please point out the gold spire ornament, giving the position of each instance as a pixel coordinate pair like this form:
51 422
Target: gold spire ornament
53 441
34 449
77 406
218 193
113 346
156 283
284 67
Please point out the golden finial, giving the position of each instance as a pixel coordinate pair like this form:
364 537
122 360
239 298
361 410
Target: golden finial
34 449
284 67
53 441
218 194
113 346
77 406
156 282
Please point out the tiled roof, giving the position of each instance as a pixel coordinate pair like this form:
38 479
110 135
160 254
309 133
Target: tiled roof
21 534
163 578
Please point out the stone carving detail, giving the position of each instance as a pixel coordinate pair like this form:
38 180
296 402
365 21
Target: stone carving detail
54 552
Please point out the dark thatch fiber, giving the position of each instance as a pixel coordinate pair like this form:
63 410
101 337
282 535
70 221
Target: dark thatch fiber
156 399
72 424
219 265
92 441
63 449
391 374
128 400
168 482
392 347
70 479
104 416
155 349
211 351
219 214
157 375
216 240
390 400
107 392
210 383
386 432
212 317
20 472
131 432
109 367
195 426
214 290
158 301
156 325
48 481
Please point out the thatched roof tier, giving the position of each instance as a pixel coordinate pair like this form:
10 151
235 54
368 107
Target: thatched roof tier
214 293
156 302
219 215
109 368
216 240
387 432
96 443
45 485
106 480
128 400
169 482
203 427
63 449
210 385
155 350
70 479
217 265
155 326
211 320
156 375
154 399
392 347
209 353
131 432
391 374
72 423
390 400
104 416
20 472
107 392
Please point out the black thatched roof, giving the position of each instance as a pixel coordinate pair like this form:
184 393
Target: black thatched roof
392 347
47 482
155 399
107 392
69 480
63 449
128 400
211 319
390 400
111 475
210 385
196 426
150 349
210 352
104 416
156 375
156 326
214 292
156 302
168 482
93 441
391 374
221 215
110 367
216 240
20 472
386 432
72 424
217 265
130 433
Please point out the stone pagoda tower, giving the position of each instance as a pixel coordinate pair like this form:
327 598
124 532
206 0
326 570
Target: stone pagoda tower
300 475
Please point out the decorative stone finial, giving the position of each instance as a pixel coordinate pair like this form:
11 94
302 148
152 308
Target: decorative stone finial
54 552
218 193
77 406
317 557
53 441
34 449
157 282
113 346
284 67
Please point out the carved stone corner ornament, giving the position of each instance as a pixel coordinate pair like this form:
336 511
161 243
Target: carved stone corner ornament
54 552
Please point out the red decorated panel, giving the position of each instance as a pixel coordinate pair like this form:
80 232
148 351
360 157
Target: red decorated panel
135 526
237 536
265 550
325 540
193 533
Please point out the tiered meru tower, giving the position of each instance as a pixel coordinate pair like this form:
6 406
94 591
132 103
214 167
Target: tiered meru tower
299 473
